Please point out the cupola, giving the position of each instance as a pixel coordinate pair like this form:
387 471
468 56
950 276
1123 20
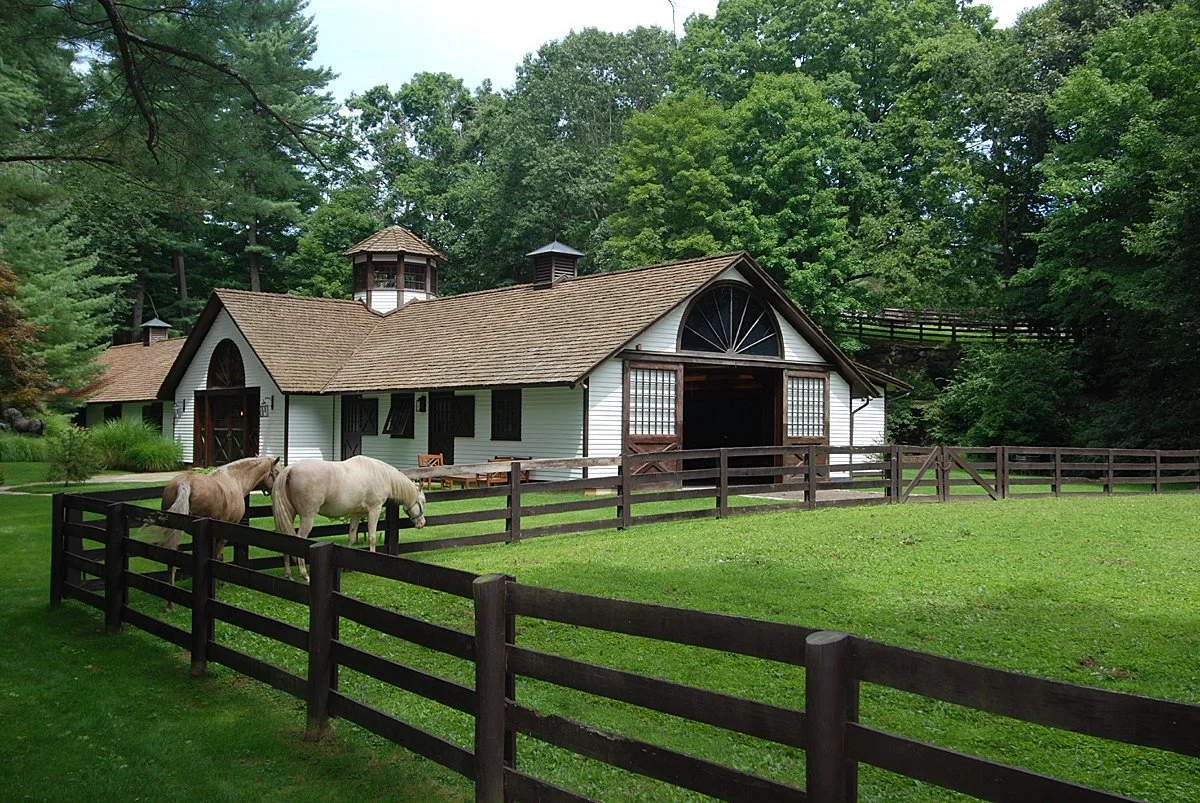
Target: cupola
393 267
552 263
155 330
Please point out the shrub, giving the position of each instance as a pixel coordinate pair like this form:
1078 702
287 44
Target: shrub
73 456
160 454
134 446
18 448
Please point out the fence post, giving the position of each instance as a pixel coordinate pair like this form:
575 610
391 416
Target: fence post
1002 472
490 667
626 493
1109 473
391 528
510 684
57 547
320 639
723 484
810 494
1157 471
514 501
831 700
942 472
202 591
1056 488
114 566
73 545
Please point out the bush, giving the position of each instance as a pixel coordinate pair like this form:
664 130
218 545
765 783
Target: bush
134 446
73 456
18 448
160 454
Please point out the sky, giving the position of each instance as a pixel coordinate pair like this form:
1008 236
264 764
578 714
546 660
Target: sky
371 42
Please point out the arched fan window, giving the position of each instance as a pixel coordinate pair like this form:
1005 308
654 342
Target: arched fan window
729 320
225 370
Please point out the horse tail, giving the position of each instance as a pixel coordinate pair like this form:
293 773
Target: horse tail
182 504
281 504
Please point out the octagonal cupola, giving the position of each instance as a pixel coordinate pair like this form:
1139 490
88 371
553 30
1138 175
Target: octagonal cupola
393 267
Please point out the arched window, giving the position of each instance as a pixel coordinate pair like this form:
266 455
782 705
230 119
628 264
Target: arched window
729 320
226 370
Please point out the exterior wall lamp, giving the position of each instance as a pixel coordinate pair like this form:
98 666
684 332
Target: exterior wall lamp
181 405
266 406
421 404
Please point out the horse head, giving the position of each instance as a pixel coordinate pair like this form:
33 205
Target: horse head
416 511
267 483
11 415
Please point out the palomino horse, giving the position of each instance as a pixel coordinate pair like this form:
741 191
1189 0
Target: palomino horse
356 487
219 495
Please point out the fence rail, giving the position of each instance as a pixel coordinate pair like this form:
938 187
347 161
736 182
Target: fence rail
834 664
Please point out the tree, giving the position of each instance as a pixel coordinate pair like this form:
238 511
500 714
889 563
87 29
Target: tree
61 295
22 379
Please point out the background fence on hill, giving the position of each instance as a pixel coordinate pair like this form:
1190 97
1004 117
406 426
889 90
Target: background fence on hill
923 326
828 731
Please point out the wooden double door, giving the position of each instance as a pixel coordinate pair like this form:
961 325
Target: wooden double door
225 426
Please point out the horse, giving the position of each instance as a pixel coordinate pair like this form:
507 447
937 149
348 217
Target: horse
356 487
219 495
19 423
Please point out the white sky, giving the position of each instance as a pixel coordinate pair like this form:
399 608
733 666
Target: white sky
370 42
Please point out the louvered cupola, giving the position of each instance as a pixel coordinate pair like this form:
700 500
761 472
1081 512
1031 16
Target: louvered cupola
393 267
552 263
155 330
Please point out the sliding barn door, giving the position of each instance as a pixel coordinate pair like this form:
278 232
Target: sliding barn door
654 413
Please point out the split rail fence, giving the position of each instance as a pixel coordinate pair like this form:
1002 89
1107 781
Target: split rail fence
93 546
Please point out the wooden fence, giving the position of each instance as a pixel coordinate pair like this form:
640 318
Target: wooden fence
724 482
828 730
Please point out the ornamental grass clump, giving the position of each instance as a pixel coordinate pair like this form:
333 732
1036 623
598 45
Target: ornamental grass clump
18 448
134 446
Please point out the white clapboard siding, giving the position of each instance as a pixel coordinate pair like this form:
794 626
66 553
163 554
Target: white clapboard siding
310 426
605 389
196 378
870 427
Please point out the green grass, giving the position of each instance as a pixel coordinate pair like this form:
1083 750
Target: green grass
21 473
1092 591
94 717
1098 591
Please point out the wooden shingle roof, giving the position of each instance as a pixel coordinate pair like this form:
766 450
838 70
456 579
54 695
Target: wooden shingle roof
521 335
511 336
134 372
394 239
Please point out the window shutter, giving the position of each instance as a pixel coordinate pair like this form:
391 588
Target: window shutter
464 416
506 414
399 422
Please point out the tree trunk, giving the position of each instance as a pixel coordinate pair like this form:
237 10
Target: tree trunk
252 241
139 302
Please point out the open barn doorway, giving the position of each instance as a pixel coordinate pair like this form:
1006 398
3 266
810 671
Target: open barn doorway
727 406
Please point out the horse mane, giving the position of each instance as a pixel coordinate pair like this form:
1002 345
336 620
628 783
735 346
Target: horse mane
402 487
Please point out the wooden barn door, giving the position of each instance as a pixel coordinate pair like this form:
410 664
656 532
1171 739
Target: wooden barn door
441 425
225 426
654 413
359 417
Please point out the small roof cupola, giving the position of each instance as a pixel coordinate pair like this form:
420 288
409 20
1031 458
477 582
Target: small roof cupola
552 263
154 331
393 267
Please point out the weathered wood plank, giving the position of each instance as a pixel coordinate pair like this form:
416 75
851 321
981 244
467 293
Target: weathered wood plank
282 632
159 589
434 748
418 631
427 575
771 640
259 670
519 786
754 718
447 692
1106 714
649 760
264 583
977 777
155 627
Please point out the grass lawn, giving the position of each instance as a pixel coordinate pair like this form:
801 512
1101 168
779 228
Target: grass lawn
95 717
24 473
1098 591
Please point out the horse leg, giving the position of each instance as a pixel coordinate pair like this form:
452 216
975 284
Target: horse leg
306 525
372 522
354 520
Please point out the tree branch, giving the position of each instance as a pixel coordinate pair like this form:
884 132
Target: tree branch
49 157
132 79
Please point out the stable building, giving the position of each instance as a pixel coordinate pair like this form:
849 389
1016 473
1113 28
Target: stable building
133 375
692 354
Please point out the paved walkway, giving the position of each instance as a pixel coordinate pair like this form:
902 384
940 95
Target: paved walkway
150 478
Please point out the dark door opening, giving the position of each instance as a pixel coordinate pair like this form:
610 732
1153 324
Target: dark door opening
729 407
441 426
225 426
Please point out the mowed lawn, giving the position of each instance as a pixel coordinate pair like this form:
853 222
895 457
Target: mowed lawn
1100 591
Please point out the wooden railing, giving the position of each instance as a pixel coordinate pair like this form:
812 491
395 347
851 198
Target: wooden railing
828 729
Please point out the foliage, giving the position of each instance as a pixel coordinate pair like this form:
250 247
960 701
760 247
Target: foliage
73 457
18 448
135 446
22 377
1016 395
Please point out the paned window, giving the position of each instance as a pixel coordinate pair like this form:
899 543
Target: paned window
399 422
385 277
506 415
414 278
225 369
360 277
651 401
729 320
464 416
805 407
112 412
